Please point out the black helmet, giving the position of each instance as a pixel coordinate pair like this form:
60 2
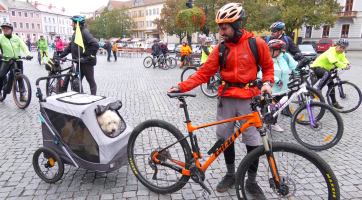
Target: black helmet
78 18
6 24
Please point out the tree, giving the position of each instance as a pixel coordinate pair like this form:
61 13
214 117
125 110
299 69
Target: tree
167 21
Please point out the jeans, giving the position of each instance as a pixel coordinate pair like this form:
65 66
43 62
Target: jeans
109 55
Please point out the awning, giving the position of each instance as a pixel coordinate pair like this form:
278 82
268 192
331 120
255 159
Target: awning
126 39
115 39
152 39
138 40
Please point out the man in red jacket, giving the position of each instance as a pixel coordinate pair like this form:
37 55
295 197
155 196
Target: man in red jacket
240 69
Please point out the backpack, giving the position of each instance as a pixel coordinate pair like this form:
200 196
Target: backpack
285 38
224 52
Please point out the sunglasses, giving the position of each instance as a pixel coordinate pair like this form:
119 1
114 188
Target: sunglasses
274 31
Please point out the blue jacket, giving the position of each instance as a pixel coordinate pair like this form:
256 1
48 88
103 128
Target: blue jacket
156 49
282 65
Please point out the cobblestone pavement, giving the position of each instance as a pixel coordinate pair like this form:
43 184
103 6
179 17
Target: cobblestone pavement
143 93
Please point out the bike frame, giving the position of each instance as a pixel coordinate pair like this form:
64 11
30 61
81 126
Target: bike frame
253 119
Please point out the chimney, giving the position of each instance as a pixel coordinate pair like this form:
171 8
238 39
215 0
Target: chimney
36 3
50 6
63 9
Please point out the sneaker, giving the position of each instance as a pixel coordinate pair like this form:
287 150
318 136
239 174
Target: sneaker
254 190
336 105
23 98
277 128
225 183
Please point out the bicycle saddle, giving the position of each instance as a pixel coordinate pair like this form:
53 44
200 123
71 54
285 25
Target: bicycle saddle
176 95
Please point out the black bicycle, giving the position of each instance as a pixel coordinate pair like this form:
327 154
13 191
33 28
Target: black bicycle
17 82
156 61
57 85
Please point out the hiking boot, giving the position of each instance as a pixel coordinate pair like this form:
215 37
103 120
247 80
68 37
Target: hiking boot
23 98
336 105
254 190
277 128
225 183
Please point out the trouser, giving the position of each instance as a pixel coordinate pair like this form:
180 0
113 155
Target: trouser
109 55
44 53
324 75
115 55
182 60
233 107
87 70
4 69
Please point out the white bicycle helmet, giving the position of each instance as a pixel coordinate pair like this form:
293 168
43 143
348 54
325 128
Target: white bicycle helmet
343 42
208 39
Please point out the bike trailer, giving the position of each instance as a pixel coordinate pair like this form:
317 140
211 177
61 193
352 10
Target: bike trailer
70 128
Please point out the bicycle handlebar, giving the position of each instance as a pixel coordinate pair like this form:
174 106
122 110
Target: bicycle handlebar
14 58
65 59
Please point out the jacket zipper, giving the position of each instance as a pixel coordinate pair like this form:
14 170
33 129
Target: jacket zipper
12 48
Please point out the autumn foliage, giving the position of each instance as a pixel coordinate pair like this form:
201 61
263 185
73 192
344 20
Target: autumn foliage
191 18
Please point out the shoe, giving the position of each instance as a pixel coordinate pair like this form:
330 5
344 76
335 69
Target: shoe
23 98
108 60
225 183
336 105
254 190
277 128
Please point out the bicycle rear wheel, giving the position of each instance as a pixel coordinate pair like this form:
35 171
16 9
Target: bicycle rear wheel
305 174
187 73
348 95
148 138
172 62
147 62
22 91
211 87
314 133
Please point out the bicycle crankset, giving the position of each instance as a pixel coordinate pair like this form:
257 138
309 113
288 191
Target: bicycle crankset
198 176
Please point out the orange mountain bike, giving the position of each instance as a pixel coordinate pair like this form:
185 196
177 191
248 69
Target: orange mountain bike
160 157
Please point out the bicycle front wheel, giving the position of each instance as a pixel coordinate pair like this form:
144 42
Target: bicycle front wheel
147 62
211 87
347 94
52 86
317 133
302 174
22 91
172 62
187 73
150 137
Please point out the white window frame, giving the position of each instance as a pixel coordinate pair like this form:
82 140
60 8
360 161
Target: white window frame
154 11
158 11
15 24
13 13
32 26
38 26
45 19
146 12
19 14
32 15
27 27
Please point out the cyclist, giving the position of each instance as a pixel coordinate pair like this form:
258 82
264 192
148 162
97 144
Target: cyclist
156 51
43 47
235 96
283 63
87 59
10 45
185 51
163 48
59 46
276 30
205 50
323 65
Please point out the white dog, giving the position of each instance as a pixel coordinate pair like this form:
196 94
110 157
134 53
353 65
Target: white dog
109 122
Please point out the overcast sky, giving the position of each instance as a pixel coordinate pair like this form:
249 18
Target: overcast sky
75 6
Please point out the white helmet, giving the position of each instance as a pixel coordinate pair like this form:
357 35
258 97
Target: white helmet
208 39
161 42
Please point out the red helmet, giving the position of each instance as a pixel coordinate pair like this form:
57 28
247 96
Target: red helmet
276 44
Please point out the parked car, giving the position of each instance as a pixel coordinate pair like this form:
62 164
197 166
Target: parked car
178 48
171 48
196 48
308 51
313 43
324 44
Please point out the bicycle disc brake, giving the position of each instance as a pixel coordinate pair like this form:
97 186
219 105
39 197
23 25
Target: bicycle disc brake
288 187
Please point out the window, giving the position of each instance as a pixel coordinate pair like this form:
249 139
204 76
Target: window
27 25
349 5
308 32
13 13
154 11
158 10
49 19
31 15
45 19
139 13
33 26
19 14
60 21
21 25
143 24
146 23
139 24
345 30
146 12
37 16
142 13
25 14
325 32
46 28
15 25
38 25
4 19
54 20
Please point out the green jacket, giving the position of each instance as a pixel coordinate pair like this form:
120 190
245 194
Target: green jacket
43 44
11 48
330 58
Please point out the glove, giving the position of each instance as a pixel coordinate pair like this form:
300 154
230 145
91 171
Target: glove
64 59
280 83
298 56
29 57
348 67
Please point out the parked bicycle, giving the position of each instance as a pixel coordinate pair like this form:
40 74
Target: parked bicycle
18 83
157 61
172 61
161 159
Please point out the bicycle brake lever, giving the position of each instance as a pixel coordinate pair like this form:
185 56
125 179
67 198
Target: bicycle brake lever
204 187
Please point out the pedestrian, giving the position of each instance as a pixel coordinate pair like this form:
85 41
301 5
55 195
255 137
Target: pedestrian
108 47
88 59
28 43
114 49
59 46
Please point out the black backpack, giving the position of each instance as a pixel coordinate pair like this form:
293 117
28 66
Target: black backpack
224 52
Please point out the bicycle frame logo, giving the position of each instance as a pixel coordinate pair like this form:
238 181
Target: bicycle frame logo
227 143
